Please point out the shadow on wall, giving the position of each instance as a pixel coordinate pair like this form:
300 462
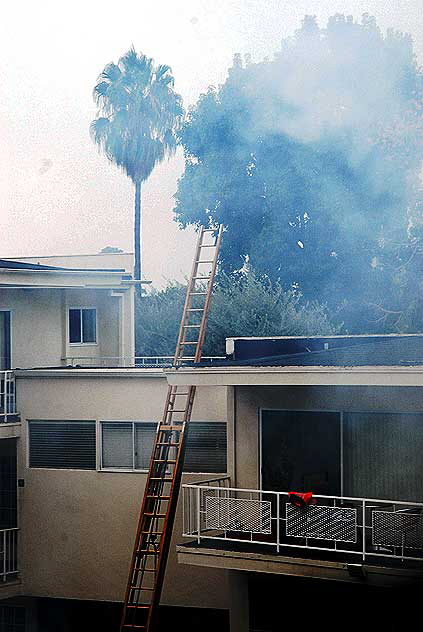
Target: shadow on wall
66 615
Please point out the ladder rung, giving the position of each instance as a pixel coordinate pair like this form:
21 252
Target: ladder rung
183 393
152 532
161 497
138 606
145 570
161 478
203 276
205 261
171 461
155 515
198 293
175 410
147 552
209 230
195 309
166 428
191 326
184 344
132 626
208 246
172 445
186 358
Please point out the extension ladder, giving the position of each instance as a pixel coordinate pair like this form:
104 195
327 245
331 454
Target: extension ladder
152 541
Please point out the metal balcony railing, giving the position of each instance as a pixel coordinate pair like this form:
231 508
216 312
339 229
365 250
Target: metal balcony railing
361 527
146 362
7 396
8 553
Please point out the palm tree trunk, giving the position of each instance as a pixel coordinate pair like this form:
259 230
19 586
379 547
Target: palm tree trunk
137 237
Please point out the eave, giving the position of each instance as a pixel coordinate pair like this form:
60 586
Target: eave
296 376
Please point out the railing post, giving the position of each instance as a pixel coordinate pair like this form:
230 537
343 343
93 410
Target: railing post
4 555
198 515
277 523
6 396
364 529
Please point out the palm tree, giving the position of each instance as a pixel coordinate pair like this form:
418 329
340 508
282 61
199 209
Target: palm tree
139 115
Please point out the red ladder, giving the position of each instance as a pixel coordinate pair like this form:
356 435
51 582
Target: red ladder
152 541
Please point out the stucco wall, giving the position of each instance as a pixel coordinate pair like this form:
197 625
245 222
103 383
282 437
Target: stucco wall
78 526
39 324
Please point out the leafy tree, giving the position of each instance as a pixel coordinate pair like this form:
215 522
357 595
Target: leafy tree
157 319
312 162
139 115
242 306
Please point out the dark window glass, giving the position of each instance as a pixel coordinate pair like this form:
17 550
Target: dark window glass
75 325
59 444
89 333
82 325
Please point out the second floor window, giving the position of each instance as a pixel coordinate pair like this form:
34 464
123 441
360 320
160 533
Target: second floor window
82 325
127 445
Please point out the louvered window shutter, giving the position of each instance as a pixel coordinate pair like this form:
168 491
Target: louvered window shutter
206 447
144 440
117 445
62 444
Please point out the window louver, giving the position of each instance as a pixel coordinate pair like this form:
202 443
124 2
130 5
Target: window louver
128 445
62 445
206 447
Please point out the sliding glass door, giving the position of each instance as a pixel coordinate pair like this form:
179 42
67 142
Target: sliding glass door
361 454
301 451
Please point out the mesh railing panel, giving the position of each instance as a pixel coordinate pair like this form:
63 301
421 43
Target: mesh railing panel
397 529
238 514
322 523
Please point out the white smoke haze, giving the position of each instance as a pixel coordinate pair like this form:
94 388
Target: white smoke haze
51 54
329 82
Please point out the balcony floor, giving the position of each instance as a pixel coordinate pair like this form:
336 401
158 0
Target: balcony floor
302 562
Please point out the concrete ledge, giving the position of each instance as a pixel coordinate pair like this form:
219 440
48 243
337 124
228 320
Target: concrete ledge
10 589
88 372
10 431
280 565
296 376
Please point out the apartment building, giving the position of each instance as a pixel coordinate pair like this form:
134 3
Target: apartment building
78 416
340 417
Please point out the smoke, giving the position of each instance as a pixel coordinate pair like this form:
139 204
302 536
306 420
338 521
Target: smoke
348 77
313 160
347 98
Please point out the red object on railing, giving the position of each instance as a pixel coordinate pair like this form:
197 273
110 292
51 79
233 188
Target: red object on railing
300 499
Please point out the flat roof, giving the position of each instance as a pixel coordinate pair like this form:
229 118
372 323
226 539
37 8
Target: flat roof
13 264
337 351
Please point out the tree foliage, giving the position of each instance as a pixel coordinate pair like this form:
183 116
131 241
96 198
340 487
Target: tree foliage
312 162
242 305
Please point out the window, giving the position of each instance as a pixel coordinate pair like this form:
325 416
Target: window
62 444
206 447
127 445
82 325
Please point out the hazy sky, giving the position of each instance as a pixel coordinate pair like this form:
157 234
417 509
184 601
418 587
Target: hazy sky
57 194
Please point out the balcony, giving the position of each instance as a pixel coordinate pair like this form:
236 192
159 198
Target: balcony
8 411
8 554
339 533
